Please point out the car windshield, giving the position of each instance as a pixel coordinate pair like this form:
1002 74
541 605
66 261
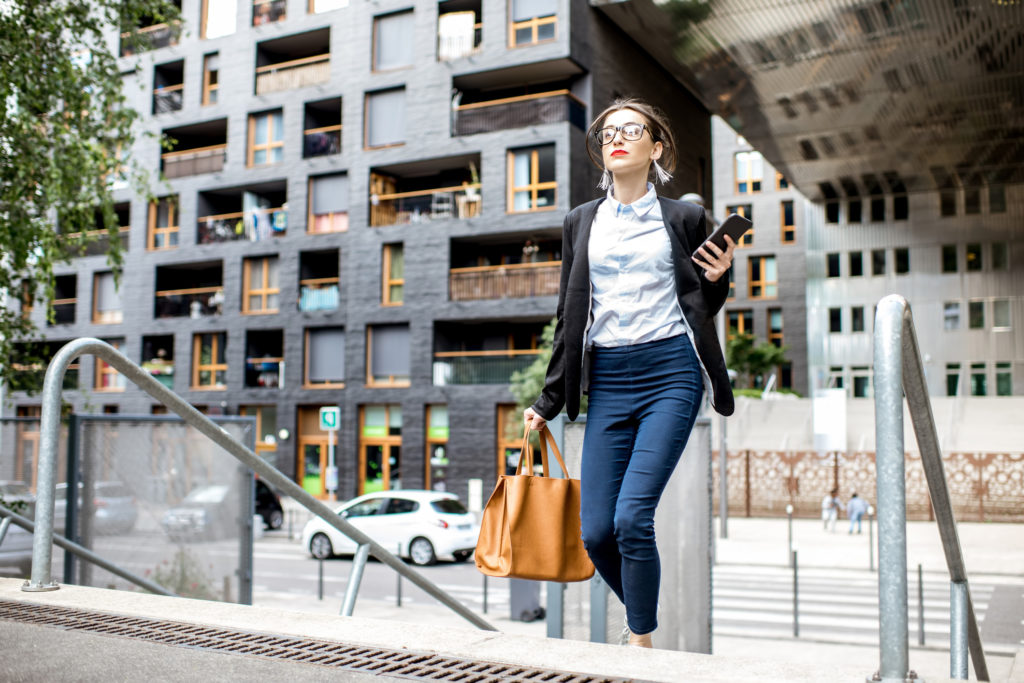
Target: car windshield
113 490
207 494
449 506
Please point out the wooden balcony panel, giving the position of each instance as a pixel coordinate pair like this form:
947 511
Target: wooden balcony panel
194 161
520 112
292 75
504 282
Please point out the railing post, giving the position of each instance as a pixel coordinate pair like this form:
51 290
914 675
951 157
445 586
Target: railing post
892 512
356 578
958 630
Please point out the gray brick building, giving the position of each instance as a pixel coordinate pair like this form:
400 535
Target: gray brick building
362 207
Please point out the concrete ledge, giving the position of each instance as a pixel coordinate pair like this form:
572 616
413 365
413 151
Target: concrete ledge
469 643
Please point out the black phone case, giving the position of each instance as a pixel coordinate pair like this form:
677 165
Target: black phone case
734 226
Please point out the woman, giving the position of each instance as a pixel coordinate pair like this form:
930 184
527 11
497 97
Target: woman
636 332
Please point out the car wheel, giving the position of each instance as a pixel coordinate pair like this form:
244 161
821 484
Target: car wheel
421 552
275 519
320 547
462 555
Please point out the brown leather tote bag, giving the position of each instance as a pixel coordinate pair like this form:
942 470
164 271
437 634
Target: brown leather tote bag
531 525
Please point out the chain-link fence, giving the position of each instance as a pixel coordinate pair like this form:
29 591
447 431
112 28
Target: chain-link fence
151 495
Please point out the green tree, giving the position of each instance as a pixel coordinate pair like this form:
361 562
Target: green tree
751 360
64 122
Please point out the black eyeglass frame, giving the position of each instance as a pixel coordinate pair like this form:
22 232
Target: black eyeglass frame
618 129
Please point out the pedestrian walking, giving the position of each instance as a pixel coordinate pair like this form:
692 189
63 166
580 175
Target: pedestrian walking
636 333
855 509
830 506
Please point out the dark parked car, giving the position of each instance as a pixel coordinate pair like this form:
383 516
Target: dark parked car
206 513
268 506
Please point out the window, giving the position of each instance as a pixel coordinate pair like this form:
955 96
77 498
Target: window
996 199
319 277
732 285
747 211
65 300
780 182
106 300
832 264
951 315
901 256
163 224
952 378
740 322
763 282
878 209
532 22
979 384
878 261
788 223
835 320
260 285
835 377
749 172
861 381
972 201
264 359
854 209
317 6
948 258
268 11
380 448
107 378
218 18
531 179
393 41
387 348
211 73
1004 379
900 207
999 258
393 275
266 138
976 315
775 326
832 211
973 257
857 319
325 358
459 29
266 429
328 203
856 264
947 202
209 367
385 118
158 358
1001 314
437 448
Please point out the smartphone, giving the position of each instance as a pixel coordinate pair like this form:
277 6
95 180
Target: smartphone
734 226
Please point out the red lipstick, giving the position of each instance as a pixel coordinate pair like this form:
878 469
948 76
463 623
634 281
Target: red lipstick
619 152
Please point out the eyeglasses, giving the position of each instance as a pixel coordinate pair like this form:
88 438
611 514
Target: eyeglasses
630 131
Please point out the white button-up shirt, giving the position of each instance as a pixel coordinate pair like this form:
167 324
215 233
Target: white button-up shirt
633 284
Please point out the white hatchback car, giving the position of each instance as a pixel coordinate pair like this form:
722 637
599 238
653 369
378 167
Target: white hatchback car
424 526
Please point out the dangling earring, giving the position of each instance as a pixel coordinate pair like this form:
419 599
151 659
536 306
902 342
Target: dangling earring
606 180
661 174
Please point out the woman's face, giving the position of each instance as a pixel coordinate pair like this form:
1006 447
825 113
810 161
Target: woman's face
627 156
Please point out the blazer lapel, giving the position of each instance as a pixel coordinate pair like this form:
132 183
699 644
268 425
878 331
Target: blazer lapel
675 223
580 275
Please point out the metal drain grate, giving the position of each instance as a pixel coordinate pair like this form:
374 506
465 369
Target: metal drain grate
397 663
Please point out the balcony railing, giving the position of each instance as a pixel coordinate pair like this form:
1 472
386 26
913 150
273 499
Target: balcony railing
513 281
192 303
318 142
458 46
319 294
160 34
257 225
268 11
162 371
297 73
480 367
99 242
168 99
265 372
442 203
519 112
64 311
188 162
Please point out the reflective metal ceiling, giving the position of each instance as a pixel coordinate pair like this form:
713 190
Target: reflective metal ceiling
853 98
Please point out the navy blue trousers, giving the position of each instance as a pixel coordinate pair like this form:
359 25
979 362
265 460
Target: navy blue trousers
642 403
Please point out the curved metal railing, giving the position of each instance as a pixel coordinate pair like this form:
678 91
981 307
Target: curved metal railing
43 538
898 371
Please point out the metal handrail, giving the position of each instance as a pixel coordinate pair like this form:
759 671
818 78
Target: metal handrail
42 543
83 552
898 372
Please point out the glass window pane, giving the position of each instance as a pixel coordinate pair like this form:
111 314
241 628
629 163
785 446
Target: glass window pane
330 194
276 155
521 169
951 315
976 314
546 164
999 256
974 257
326 355
390 351
546 31
397 262
220 18
528 9
261 129
277 126
259 157
546 197
1001 313
770 273
949 258
521 201
394 41
386 117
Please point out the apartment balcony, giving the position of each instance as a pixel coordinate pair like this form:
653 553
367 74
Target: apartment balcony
513 281
255 225
264 359
459 29
480 367
318 296
96 242
158 358
292 62
192 290
519 112
194 161
439 189
318 142
168 99
159 35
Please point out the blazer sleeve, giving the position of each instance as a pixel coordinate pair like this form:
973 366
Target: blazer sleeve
552 398
715 293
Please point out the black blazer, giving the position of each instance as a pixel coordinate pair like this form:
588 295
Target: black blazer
699 298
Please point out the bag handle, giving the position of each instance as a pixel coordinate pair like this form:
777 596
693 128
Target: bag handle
526 453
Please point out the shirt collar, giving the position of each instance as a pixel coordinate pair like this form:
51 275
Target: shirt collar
640 207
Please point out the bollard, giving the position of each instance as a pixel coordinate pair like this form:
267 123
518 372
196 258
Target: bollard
789 515
920 605
485 593
871 537
320 580
796 599
398 586
291 515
